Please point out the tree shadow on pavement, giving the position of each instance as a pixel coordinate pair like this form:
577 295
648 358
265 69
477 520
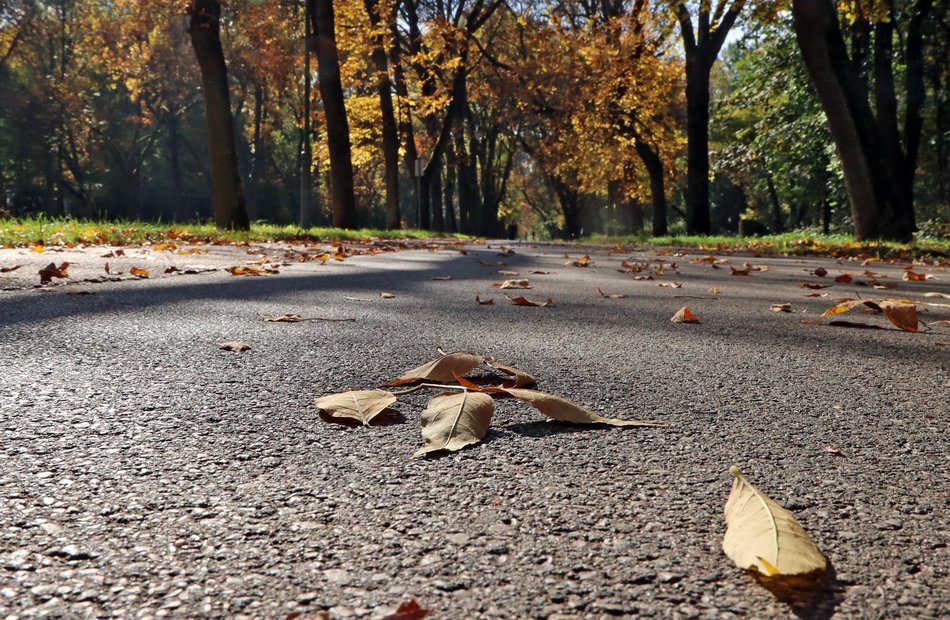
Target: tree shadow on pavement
811 597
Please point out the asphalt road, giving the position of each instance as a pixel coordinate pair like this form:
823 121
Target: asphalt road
146 473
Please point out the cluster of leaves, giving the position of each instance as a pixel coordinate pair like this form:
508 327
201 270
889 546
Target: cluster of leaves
461 414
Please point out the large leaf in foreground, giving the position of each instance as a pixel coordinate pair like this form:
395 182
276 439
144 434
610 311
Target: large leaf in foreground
565 410
362 405
765 537
900 312
442 369
453 420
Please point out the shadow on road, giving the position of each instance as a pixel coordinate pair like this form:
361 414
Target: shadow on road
808 597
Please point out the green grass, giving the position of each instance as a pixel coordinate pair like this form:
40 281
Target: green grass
22 232
793 243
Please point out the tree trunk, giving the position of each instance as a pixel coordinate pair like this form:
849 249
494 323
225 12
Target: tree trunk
227 196
778 224
654 166
342 197
390 135
697 144
570 207
451 223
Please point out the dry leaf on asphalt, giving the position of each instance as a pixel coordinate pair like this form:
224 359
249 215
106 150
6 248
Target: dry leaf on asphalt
283 318
900 312
685 315
913 276
245 271
52 271
538 272
9 269
521 378
833 450
583 261
485 302
764 537
453 420
442 277
524 301
523 283
139 272
740 272
565 410
234 345
821 272
715 291
361 405
611 295
844 278
814 286
410 610
441 370
669 285
781 307
505 272
936 294
384 295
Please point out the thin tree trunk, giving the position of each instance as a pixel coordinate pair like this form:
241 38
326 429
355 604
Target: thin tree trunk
342 196
390 135
227 195
654 166
697 145
778 225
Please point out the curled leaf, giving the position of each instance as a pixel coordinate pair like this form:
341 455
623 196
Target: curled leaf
52 271
781 307
685 315
385 295
361 405
565 410
139 272
814 285
9 269
521 378
442 369
900 312
485 302
523 283
524 301
611 295
763 536
453 420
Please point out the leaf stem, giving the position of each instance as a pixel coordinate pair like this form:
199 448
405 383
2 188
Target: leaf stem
416 388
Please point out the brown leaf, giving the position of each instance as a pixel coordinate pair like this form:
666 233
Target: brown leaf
384 295
442 277
821 272
485 302
139 272
708 260
409 611
234 345
9 269
453 420
814 286
715 291
815 295
670 285
566 410
505 272
583 261
901 313
524 301
833 450
512 284
781 307
521 378
685 315
283 318
844 278
538 272
739 272
361 405
440 370
611 295
52 271
917 277
172 269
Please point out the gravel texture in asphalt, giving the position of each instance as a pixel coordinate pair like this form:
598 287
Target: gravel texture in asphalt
146 473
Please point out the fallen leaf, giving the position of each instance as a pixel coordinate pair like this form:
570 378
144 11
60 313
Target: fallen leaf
9 269
685 315
538 272
506 252
814 286
917 277
583 261
440 370
521 378
283 318
781 307
512 284
833 450
936 294
524 301
38 247
564 410
139 272
901 313
384 295
844 278
708 260
52 271
611 295
361 405
453 420
739 272
715 291
245 271
763 536
442 277
485 302
751 267
821 272
670 285
815 295
172 269
234 345
409 611
504 272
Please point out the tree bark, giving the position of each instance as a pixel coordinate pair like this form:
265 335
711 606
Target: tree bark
654 166
227 195
342 196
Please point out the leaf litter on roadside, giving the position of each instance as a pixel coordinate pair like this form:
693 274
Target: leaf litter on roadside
900 312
